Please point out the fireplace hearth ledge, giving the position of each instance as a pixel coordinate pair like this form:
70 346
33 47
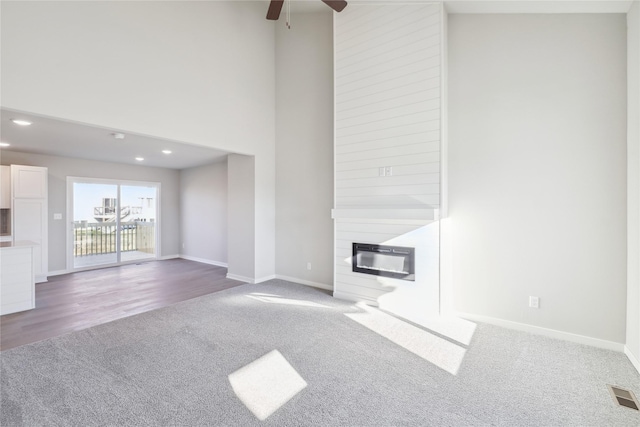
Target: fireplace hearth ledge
387 213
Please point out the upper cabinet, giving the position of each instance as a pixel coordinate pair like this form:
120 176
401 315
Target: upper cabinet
5 187
29 182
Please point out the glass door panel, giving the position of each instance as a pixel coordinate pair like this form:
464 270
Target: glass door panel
138 222
95 224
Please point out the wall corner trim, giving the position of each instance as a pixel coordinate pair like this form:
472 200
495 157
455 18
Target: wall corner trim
241 278
249 279
58 272
203 260
551 333
305 282
634 360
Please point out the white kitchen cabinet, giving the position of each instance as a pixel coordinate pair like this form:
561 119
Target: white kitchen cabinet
17 284
5 187
30 213
29 182
30 223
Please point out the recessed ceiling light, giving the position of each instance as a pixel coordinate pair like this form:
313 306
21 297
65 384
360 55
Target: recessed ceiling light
139 159
118 135
21 122
166 151
4 144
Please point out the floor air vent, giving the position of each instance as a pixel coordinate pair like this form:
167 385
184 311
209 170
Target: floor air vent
623 397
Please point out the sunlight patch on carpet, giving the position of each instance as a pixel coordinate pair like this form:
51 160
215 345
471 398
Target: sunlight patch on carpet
266 384
286 301
442 353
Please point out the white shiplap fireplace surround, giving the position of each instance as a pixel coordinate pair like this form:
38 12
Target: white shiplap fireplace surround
388 130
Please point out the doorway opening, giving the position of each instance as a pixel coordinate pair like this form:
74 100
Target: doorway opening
112 222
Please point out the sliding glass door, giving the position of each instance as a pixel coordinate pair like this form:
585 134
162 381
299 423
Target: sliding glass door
112 222
138 222
95 228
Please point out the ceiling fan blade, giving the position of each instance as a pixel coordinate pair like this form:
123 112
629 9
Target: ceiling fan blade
336 5
274 9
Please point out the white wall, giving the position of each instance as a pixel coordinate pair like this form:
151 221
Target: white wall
241 199
62 167
304 148
537 167
633 183
388 105
203 208
188 71
264 213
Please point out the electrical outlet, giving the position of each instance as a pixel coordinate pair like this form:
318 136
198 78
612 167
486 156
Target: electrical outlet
57 216
183 246
534 302
308 266
388 171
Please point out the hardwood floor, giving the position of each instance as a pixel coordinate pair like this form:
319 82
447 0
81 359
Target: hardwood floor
76 301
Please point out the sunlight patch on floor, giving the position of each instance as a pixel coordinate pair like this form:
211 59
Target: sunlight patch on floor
457 329
266 384
442 353
286 301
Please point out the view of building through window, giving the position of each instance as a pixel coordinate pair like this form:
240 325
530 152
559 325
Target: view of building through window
113 223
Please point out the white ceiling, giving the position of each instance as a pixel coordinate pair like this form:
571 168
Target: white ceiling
538 6
67 139
492 6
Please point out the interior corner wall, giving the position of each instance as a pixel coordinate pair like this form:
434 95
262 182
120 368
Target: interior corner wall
203 209
633 183
537 168
59 168
241 244
265 212
304 148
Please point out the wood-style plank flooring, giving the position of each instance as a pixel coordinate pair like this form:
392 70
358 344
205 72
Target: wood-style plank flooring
76 301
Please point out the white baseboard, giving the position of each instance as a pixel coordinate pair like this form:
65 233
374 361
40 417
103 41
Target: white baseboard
174 256
634 360
249 279
240 278
552 333
202 260
58 272
40 278
304 282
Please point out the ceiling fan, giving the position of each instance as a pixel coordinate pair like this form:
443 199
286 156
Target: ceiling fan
276 6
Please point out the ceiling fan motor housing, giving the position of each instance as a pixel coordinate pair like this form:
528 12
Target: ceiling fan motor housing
275 7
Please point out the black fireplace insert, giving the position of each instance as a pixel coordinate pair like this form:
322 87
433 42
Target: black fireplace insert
381 260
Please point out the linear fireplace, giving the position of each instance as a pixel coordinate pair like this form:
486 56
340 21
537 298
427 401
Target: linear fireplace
381 260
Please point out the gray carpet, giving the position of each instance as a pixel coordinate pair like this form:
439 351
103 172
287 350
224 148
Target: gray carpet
171 367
